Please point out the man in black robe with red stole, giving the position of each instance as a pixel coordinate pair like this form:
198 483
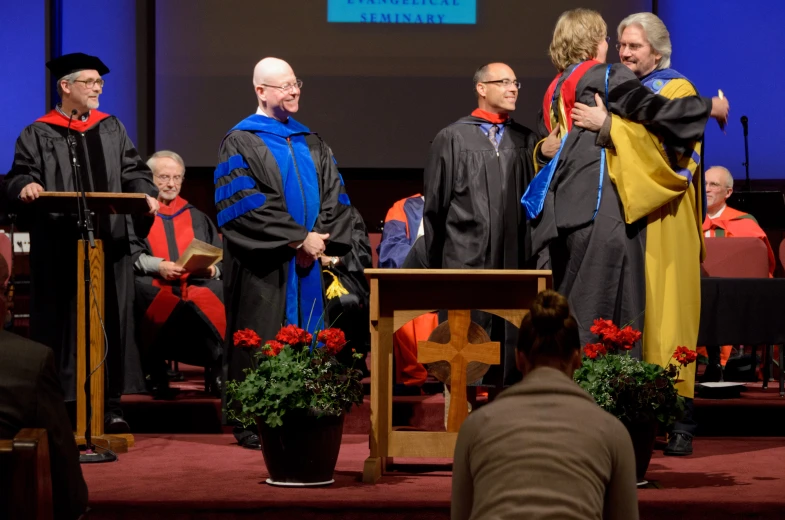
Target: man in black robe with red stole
281 205
180 313
108 162
477 170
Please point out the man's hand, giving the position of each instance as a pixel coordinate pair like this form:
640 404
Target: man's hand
719 110
204 273
170 270
152 204
303 259
30 192
551 144
314 244
590 118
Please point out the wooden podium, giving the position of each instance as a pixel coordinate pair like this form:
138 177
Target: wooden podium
99 204
400 295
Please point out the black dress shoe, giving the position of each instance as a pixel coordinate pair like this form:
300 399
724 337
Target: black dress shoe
679 444
251 442
116 424
247 438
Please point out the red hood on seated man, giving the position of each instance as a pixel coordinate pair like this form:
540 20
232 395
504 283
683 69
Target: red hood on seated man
734 223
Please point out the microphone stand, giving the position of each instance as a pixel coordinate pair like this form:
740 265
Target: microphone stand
85 223
746 163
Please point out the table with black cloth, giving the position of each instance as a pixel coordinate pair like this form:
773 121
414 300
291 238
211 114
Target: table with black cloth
743 311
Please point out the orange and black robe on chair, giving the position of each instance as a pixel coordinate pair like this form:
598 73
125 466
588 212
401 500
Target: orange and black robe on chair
193 302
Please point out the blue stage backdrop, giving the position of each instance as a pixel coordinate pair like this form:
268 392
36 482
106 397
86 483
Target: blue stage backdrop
107 29
735 46
23 52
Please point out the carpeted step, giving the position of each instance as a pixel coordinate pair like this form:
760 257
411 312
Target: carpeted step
757 412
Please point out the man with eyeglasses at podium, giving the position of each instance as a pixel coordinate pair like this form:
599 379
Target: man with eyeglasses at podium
108 162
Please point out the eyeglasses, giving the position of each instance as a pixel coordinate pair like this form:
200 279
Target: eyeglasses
90 83
505 82
166 178
634 47
715 185
287 87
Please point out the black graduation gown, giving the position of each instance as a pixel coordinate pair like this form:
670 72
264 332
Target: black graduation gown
111 165
473 217
184 322
598 262
472 214
256 245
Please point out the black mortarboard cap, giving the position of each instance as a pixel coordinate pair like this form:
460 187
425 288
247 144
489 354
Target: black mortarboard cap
73 62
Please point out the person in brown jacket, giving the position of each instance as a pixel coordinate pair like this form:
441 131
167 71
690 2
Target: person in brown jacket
543 448
31 397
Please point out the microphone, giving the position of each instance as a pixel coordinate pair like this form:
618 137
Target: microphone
744 121
68 129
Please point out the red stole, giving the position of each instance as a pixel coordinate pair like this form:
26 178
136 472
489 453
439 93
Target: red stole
496 119
567 94
54 117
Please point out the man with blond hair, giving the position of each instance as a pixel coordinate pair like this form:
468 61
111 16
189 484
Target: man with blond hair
281 205
665 188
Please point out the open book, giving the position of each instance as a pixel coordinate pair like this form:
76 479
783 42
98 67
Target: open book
200 255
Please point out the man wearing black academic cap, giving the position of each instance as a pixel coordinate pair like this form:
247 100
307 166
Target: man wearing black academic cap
108 162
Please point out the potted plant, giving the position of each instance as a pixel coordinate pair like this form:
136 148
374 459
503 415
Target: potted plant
642 395
297 393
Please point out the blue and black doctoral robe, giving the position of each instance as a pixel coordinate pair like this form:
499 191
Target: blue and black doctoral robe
275 183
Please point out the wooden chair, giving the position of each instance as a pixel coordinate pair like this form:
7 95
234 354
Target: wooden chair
26 490
375 239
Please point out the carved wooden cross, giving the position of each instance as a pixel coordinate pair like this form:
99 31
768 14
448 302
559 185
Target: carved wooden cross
458 352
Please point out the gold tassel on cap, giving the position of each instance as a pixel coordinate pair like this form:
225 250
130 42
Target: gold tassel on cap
336 288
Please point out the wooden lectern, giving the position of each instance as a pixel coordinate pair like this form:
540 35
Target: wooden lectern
400 295
99 204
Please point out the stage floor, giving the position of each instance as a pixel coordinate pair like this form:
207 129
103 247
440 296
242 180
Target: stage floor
207 476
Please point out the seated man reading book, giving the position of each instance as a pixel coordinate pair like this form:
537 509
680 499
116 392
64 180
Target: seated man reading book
179 295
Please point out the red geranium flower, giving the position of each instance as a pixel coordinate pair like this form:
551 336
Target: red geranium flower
592 350
626 337
292 335
685 356
273 348
333 339
603 328
246 338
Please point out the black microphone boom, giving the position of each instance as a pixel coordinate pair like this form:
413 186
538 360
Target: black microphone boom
85 224
746 162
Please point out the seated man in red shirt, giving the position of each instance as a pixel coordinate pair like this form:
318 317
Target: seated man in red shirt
723 221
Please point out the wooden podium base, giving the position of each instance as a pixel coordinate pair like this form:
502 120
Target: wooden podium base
94 306
116 443
400 295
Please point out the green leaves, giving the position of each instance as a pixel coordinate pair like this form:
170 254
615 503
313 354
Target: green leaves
630 389
295 379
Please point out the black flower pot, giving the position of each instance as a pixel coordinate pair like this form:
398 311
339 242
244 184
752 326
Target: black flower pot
643 435
304 450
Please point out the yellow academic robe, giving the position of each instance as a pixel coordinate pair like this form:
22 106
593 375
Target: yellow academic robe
650 188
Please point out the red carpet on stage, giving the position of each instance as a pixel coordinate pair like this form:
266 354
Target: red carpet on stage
204 476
